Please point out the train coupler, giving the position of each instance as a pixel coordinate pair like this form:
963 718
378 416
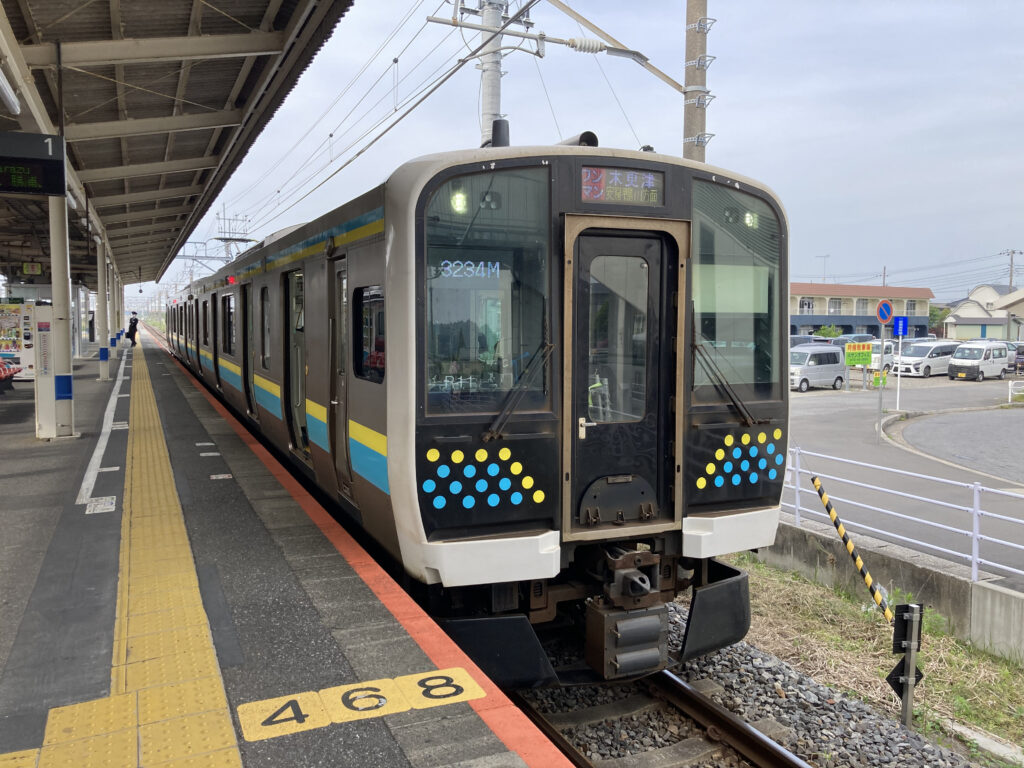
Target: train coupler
626 643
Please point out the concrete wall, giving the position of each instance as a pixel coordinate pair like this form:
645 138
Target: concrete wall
983 613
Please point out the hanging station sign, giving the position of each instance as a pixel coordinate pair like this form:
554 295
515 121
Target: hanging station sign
32 164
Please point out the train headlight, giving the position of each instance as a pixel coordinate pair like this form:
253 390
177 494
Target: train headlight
460 202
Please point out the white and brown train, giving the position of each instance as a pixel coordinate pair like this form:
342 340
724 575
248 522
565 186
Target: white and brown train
550 381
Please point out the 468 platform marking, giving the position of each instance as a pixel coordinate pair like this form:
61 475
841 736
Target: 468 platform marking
357 701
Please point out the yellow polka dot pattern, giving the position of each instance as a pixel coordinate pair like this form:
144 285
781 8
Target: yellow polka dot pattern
475 479
757 460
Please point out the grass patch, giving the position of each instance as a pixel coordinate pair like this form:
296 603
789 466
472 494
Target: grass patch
843 641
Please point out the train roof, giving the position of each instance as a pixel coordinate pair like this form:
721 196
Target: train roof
413 174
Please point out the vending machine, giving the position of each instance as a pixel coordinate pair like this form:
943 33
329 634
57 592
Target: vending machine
17 342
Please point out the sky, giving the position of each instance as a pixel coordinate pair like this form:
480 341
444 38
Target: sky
892 132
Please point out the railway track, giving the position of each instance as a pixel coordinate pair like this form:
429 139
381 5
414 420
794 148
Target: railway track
688 730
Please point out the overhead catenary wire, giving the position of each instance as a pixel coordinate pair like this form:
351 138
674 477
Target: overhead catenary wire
451 73
348 86
277 198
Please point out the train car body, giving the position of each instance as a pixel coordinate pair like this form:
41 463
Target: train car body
550 381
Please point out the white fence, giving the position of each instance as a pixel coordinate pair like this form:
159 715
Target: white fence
966 522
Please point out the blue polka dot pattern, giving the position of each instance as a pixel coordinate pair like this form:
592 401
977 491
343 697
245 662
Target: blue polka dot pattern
749 459
486 476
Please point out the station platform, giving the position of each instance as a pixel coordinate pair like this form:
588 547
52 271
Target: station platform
170 595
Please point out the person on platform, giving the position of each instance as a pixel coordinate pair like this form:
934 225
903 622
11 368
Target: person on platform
133 327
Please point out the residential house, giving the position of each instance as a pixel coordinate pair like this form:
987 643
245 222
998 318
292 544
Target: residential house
989 312
852 308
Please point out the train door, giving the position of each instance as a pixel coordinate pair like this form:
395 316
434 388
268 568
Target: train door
217 340
245 354
297 363
622 381
340 346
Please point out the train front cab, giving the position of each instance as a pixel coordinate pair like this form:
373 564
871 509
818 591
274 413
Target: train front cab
595 395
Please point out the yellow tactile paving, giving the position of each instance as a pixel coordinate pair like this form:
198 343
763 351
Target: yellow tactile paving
91 718
179 699
169 643
186 736
161 621
167 705
222 758
115 750
24 759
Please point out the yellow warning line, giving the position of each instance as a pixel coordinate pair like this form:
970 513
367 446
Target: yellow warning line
167 704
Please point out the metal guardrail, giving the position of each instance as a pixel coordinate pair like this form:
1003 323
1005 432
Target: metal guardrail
974 511
1014 388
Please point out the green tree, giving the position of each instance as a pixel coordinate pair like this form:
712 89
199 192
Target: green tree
829 331
936 317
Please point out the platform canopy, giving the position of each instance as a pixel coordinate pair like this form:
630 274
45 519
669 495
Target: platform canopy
161 100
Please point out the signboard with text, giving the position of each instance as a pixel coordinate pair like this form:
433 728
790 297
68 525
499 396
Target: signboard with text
32 164
858 353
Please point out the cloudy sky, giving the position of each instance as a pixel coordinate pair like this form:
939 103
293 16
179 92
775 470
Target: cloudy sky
893 132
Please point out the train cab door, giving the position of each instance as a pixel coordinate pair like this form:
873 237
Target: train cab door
340 363
246 353
296 357
619 335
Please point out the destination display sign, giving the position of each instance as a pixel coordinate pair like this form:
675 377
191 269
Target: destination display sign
32 164
622 186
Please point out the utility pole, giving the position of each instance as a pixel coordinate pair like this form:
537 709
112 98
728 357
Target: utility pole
490 70
883 277
696 96
824 266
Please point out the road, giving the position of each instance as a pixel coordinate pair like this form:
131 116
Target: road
956 431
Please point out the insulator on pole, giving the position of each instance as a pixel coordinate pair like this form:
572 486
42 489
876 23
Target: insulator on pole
586 44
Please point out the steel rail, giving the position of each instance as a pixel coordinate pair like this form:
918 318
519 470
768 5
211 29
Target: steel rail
720 723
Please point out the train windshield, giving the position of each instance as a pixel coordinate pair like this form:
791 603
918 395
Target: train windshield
487 285
736 292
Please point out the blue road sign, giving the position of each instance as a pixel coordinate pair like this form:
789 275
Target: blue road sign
884 311
899 325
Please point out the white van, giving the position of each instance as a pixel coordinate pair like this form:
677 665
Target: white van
925 358
880 362
978 359
816 365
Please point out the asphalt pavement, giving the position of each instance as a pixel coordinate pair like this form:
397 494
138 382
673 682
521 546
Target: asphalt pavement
953 434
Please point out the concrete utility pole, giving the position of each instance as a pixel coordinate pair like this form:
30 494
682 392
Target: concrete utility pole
696 94
490 69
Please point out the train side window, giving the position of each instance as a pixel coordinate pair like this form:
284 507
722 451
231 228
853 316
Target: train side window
341 291
368 311
265 327
227 306
206 323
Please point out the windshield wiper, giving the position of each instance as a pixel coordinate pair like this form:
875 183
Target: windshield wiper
537 362
722 383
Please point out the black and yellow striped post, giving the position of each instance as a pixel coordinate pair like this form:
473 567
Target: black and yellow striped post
876 593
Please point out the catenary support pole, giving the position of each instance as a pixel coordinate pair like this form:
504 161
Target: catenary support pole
60 333
102 319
